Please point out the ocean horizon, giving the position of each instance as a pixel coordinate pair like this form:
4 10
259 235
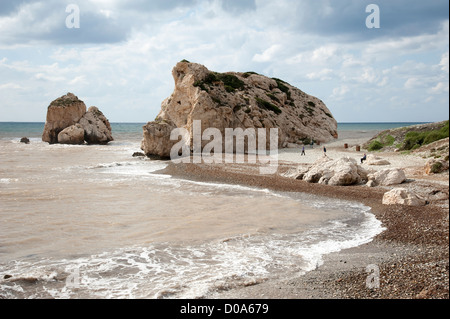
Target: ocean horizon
35 129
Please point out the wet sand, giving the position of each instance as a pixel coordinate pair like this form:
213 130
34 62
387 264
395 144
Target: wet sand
411 255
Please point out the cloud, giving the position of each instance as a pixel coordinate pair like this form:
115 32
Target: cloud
440 88
11 86
7 7
413 83
444 62
407 45
346 18
238 6
36 21
340 92
322 75
268 54
45 22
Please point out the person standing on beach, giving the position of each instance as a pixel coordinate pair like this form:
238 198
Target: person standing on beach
324 151
303 151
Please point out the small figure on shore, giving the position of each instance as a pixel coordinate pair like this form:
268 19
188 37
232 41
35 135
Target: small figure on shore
325 151
363 158
303 151
312 143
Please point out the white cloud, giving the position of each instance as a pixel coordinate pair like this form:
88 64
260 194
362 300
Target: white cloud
340 92
11 86
444 63
407 45
268 54
440 88
413 83
322 75
324 54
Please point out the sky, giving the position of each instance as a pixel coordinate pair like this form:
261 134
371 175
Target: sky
120 55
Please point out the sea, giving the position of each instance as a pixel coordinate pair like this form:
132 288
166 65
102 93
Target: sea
94 222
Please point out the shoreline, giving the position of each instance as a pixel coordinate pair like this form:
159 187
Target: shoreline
411 254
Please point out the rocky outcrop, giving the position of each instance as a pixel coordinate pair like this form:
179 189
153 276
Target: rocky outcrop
156 143
62 113
341 172
387 177
73 134
237 100
25 140
402 196
68 123
97 129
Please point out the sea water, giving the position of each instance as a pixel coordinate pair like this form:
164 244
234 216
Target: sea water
94 222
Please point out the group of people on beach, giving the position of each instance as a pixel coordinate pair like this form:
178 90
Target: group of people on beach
364 158
304 153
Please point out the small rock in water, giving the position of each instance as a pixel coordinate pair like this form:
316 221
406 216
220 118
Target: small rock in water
25 140
138 154
7 276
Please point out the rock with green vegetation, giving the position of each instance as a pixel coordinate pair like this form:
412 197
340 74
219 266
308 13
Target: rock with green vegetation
408 138
68 114
243 100
62 113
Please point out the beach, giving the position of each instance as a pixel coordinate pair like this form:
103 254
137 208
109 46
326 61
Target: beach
410 255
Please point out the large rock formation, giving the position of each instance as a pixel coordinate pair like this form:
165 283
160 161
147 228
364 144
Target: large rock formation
97 129
156 142
340 172
62 113
68 123
237 100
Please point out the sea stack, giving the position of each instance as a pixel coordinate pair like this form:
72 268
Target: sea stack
237 100
68 122
62 113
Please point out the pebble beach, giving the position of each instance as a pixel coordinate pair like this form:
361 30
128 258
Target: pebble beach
410 256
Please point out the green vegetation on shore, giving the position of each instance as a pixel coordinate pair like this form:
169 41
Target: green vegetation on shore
383 141
414 140
409 138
